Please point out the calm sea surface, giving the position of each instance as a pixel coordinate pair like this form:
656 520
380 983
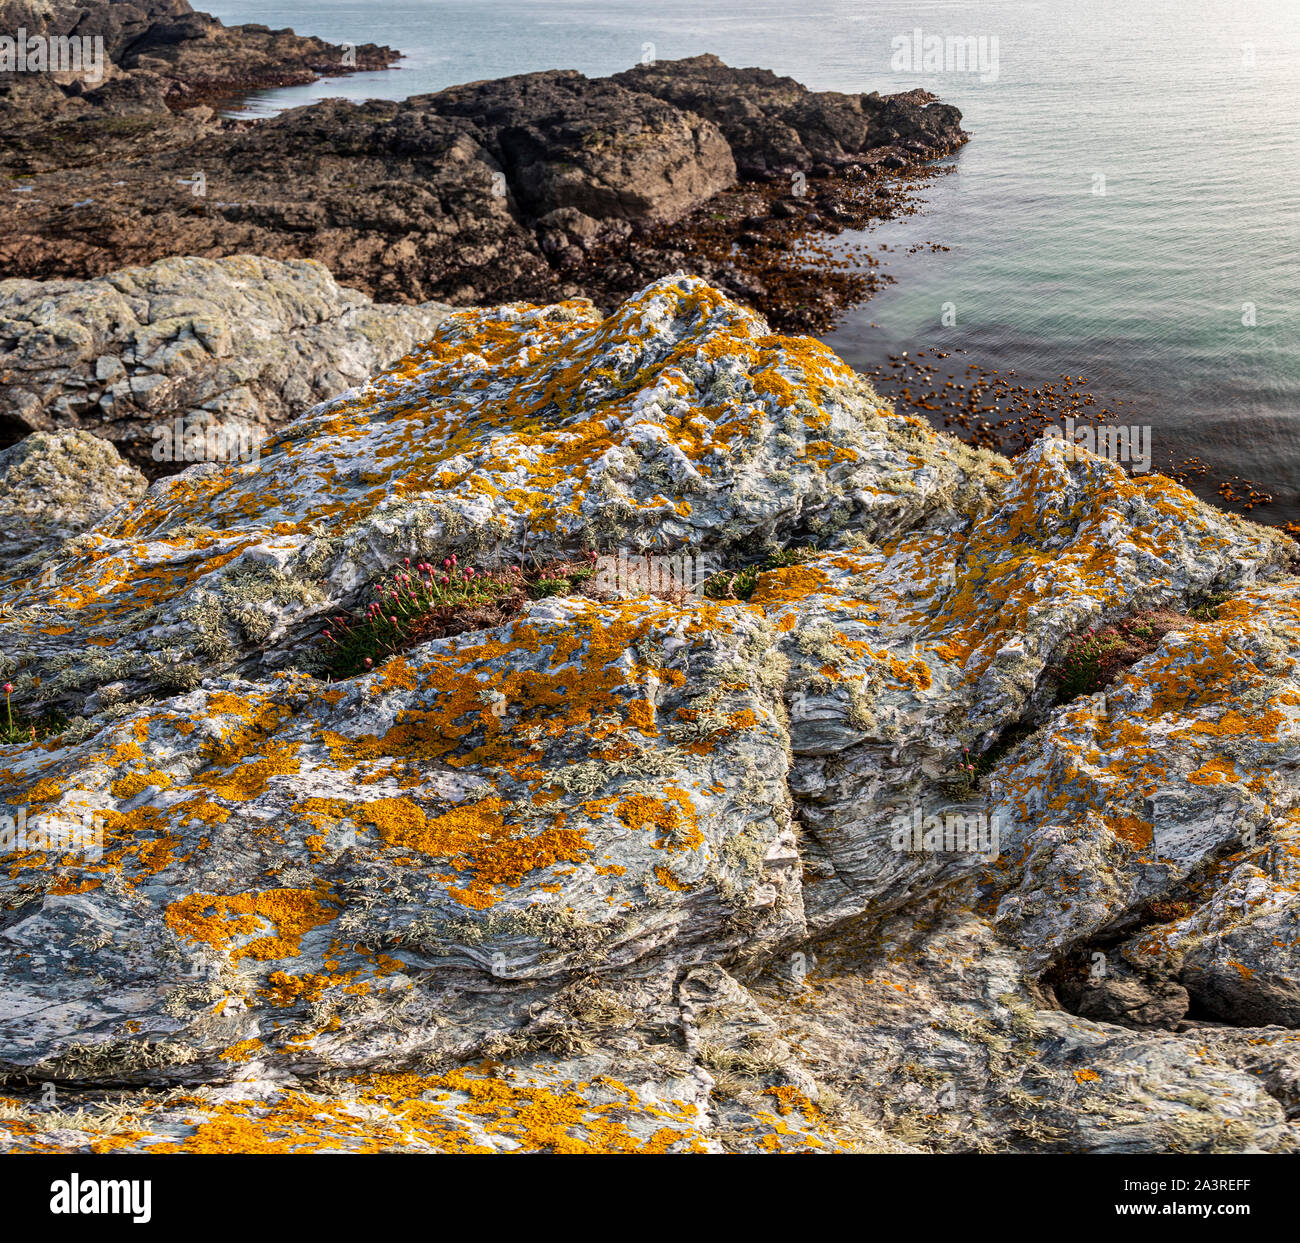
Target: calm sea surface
1177 290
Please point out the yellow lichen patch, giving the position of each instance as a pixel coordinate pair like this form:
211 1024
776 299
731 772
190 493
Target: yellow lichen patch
912 673
476 839
203 811
223 703
135 783
790 584
47 790
396 675
672 819
216 920
1232 724
790 1099
1214 772
641 717
457 1112
669 881
243 1051
284 989
247 781
1137 832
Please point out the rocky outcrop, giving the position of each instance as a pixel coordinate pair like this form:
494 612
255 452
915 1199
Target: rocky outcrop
54 485
776 125
527 187
159 51
570 143
704 847
236 346
678 423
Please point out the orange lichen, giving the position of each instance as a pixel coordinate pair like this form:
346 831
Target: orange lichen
243 1051
135 783
454 1112
672 818
476 839
284 989
217 920
1214 772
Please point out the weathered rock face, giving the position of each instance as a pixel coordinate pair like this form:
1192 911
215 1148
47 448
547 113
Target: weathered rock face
611 153
646 854
650 841
949 646
239 344
678 423
54 485
777 125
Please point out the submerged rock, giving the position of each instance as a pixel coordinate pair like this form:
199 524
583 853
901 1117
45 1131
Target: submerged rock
701 847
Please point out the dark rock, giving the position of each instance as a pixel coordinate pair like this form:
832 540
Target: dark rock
1134 1002
181 56
568 141
775 124
494 191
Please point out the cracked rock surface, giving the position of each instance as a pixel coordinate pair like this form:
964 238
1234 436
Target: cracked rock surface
236 345
54 485
652 874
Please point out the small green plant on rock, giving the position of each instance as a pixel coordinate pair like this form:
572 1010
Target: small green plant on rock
14 730
1093 659
425 601
1083 667
963 785
740 584
1208 609
413 606
561 585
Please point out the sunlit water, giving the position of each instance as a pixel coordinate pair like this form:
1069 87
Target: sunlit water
1188 109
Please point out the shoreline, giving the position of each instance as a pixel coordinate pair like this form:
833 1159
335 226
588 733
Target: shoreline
541 188
120 180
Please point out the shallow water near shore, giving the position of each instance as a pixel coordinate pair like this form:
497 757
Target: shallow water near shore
1127 210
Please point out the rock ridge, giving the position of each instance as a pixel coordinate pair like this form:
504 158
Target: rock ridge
639 874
